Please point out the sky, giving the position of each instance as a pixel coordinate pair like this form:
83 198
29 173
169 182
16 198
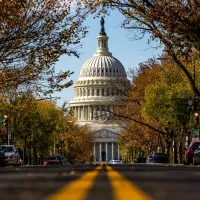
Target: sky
129 52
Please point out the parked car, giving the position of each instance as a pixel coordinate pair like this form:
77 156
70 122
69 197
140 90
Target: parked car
12 156
189 152
51 160
140 159
115 162
2 158
196 157
157 158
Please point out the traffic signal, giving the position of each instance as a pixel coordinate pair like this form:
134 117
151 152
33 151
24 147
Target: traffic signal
196 117
5 120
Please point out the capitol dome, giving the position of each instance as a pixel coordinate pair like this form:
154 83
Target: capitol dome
102 77
102 66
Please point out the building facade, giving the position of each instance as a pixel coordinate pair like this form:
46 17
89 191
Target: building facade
98 91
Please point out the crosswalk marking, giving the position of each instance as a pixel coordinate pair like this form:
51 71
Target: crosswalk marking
124 189
78 189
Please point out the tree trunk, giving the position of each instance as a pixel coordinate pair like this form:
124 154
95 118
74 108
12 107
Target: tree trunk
175 152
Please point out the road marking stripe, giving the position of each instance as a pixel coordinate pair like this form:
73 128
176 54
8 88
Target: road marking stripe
124 189
78 189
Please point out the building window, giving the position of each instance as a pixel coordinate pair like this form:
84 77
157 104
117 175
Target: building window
102 92
97 92
88 92
92 92
107 91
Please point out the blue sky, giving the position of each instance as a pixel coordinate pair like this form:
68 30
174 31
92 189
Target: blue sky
129 52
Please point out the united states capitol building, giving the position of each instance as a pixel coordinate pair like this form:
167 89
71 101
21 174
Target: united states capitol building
97 93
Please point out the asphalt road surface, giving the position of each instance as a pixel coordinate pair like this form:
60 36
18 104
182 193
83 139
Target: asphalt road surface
100 182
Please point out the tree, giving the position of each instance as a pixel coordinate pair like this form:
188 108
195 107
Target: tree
77 142
33 35
174 23
166 101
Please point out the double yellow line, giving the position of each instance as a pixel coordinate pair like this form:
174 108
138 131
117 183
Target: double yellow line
122 188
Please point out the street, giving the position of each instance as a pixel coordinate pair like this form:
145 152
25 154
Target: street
95 182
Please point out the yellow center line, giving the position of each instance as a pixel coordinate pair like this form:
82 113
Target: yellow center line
124 189
78 189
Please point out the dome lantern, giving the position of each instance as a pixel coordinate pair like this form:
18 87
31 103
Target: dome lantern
102 39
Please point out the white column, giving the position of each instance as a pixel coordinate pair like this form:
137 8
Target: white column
91 113
100 151
100 92
83 113
118 156
78 113
94 112
79 92
75 112
106 151
94 152
88 113
112 151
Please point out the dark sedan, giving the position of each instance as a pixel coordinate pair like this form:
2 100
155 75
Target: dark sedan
157 158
